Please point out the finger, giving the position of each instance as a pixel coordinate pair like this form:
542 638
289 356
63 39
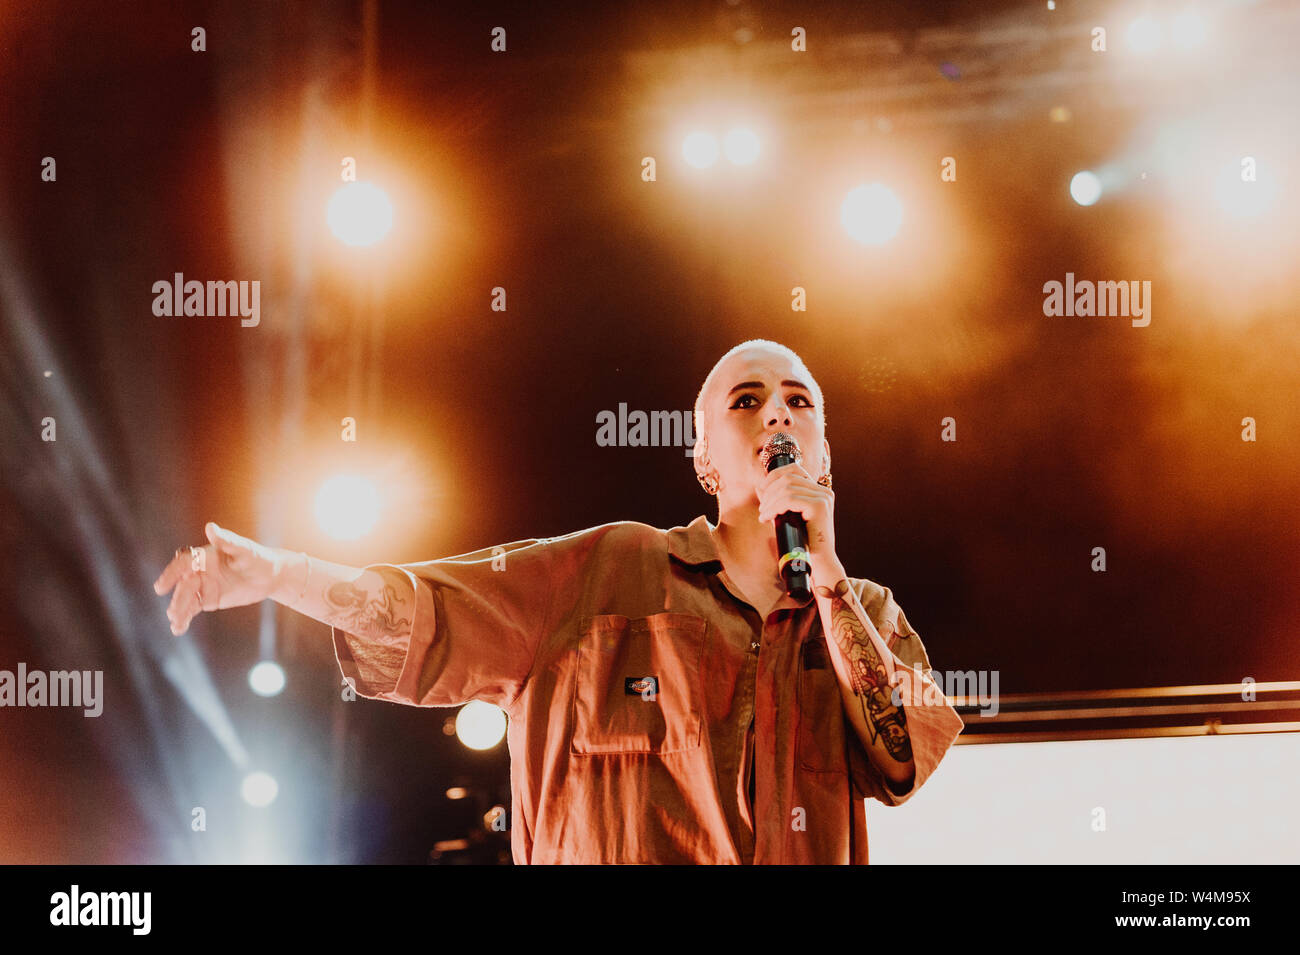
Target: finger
222 539
187 609
796 487
181 625
177 615
802 478
788 476
180 598
209 593
781 504
801 502
801 487
773 499
175 568
226 541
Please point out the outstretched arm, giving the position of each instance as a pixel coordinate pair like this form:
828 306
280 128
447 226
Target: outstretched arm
235 571
376 603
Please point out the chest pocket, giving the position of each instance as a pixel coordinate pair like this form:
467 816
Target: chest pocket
639 685
821 710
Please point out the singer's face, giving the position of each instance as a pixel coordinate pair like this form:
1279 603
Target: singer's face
756 393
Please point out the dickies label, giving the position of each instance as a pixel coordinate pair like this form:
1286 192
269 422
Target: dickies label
646 687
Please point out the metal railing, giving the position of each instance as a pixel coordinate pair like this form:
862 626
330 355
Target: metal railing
1215 709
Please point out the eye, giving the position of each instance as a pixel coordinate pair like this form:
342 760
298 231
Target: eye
803 401
740 402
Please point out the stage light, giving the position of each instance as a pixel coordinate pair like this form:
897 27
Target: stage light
480 725
1241 199
872 214
266 678
259 789
700 150
347 507
457 792
1085 188
360 214
741 146
1144 35
1189 30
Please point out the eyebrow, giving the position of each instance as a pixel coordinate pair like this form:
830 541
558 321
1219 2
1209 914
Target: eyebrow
790 382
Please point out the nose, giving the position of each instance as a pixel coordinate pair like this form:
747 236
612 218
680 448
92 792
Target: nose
778 413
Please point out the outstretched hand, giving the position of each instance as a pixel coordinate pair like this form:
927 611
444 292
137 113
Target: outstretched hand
230 571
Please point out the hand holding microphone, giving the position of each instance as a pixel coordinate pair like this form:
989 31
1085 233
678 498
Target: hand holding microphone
803 511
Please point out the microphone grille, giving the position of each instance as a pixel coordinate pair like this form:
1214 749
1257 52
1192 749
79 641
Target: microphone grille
780 443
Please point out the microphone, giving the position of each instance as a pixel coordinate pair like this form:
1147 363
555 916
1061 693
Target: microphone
780 451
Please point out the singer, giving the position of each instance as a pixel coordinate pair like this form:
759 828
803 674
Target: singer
675 696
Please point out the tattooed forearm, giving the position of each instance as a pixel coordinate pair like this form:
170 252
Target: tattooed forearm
376 602
375 613
868 675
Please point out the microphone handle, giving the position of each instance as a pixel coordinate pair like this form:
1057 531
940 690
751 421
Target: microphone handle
792 544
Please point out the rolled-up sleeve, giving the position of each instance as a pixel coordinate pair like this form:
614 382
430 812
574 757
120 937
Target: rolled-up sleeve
477 622
932 723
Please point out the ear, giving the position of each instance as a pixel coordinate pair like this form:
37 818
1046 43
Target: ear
826 457
701 456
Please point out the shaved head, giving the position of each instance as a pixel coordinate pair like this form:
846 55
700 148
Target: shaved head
758 345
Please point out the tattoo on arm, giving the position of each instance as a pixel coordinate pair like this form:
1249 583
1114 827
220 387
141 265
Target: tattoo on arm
867 673
362 611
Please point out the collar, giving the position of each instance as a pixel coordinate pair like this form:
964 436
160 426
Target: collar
693 545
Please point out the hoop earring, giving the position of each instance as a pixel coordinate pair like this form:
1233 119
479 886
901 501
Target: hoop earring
709 482
825 479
